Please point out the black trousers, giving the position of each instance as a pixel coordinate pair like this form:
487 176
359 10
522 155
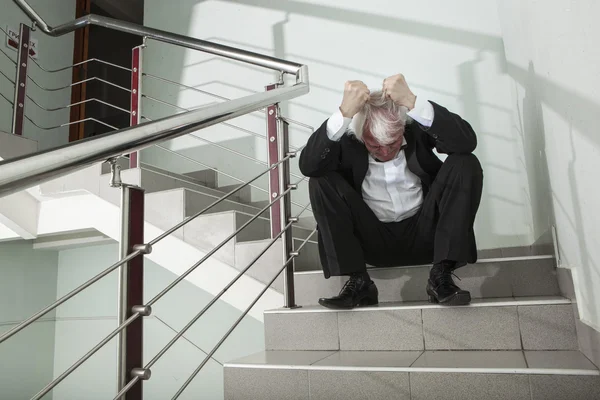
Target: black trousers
350 234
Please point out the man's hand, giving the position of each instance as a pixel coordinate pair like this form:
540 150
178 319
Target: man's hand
396 88
356 94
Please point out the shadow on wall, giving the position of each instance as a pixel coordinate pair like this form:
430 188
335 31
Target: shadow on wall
536 187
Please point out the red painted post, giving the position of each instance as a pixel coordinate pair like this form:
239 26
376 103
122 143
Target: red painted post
136 96
131 290
279 181
273 158
21 80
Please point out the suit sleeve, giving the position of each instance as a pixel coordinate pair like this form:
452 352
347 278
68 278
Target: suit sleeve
449 133
321 154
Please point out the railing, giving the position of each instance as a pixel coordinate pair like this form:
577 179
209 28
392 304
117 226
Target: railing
24 172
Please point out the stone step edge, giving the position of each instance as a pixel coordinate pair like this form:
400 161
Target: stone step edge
479 370
476 303
482 261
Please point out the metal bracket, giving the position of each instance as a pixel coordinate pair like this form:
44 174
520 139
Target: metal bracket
142 373
144 311
144 248
115 173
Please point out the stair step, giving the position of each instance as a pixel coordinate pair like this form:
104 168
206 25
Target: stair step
243 195
207 176
526 323
494 277
412 375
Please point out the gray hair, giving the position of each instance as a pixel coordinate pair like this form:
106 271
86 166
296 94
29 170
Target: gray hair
382 117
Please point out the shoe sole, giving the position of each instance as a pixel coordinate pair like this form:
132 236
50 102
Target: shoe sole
457 299
362 303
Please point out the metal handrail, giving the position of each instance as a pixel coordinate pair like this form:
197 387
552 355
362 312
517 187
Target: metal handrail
209 167
94 78
68 123
78 64
26 171
213 143
136 379
239 128
221 293
134 254
237 322
77 104
215 249
216 96
85 357
74 292
166 37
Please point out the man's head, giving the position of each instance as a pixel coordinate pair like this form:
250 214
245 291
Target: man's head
380 126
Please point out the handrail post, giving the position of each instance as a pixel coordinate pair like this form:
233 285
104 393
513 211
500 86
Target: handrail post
131 285
279 180
21 80
136 96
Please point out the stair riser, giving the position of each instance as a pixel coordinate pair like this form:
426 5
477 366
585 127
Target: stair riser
531 327
485 280
276 384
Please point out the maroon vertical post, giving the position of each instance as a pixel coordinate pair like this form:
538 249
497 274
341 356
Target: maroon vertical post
21 80
273 158
279 181
131 290
136 96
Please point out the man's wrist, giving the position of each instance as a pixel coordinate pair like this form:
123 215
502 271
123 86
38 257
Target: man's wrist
344 113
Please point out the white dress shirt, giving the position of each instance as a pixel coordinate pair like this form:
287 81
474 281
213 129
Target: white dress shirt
390 189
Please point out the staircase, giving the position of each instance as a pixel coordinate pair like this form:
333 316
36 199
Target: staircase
517 340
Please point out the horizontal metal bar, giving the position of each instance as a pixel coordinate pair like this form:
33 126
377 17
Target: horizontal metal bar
78 64
188 219
209 167
162 36
235 324
294 122
9 57
215 249
26 171
67 296
7 99
76 104
71 123
126 388
83 359
8 78
208 141
214 300
78 83
185 86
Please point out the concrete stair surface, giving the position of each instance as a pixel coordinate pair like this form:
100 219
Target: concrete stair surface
414 375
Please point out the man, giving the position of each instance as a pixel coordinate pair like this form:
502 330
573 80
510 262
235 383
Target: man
381 196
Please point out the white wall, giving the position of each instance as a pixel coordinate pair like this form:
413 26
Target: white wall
450 52
54 53
88 318
553 61
27 284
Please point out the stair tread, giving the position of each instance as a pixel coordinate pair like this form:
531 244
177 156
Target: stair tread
479 262
570 362
411 305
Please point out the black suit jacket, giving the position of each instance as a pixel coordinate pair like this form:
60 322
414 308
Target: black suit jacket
448 134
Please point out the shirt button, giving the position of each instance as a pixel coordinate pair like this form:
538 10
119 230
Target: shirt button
327 150
435 136
323 156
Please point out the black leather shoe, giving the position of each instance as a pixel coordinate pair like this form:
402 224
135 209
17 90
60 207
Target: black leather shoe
356 292
442 289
